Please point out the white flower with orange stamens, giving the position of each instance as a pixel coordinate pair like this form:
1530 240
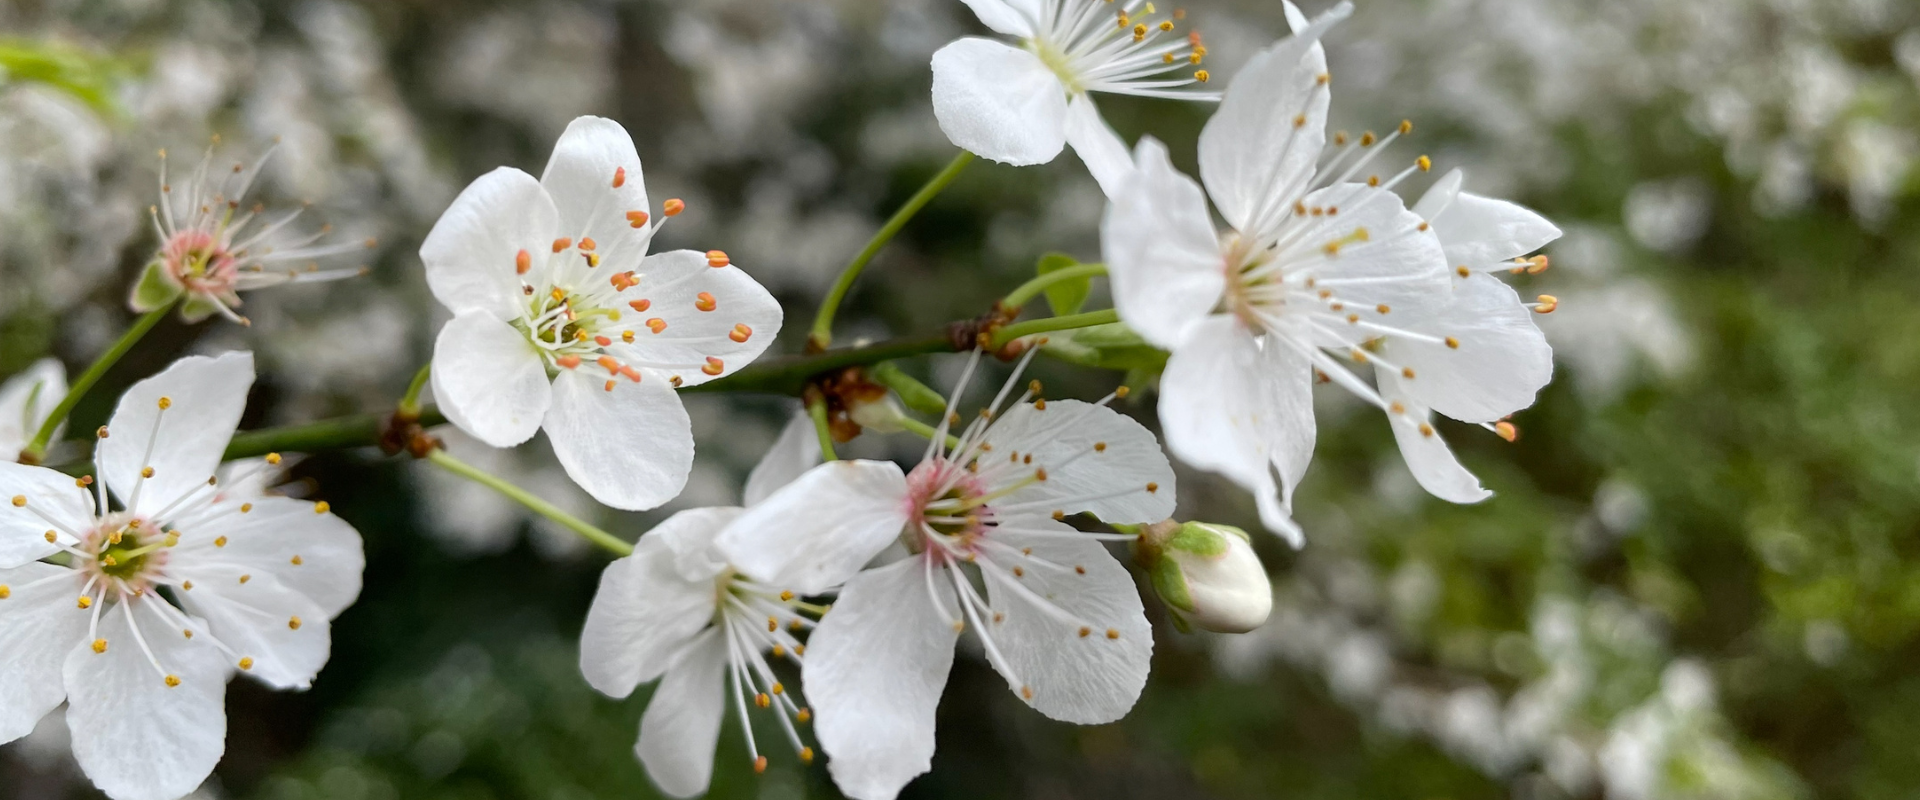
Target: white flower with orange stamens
1320 267
1021 105
25 401
563 322
173 579
211 249
675 611
985 550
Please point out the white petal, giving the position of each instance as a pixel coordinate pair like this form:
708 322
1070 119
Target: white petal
820 529
631 447
39 625
25 401
1102 150
136 737
643 615
268 538
1500 366
691 535
48 495
285 633
1162 252
579 178
1481 233
999 102
471 255
796 451
1257 152
682 722
1382 253
489 379
1011 17
1433 465
874 672
1439 195
716 318
1096 460
1068 585
184 443
1230 406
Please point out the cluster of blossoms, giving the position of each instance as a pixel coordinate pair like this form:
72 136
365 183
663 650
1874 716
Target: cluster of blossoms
861 575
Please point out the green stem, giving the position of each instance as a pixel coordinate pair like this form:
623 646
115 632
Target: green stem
38 447
817 409
359 430
410 402
822 334
925 431
611 543
1068 322
1026 291
789 374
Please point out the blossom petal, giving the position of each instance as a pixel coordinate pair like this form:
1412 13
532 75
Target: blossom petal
1070 623
284 635
796 451
682 723
1481 233
631 446
587 160
1095 459
643 615
999 102
874 672
821 528
489 379
1231 406
700 322
471 255
1426 454
1257 152
1011 17
1102 150
25 401
184 442
136 737
1500 365
34 501
306 550
1162 252
690 535
39 623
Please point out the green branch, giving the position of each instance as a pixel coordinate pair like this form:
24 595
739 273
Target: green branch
359 430
817 411
1027 291
822 334
37 448
1068 322
610 542
789 374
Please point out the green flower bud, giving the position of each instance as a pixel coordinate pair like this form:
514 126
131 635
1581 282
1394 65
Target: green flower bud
1207 574
157 288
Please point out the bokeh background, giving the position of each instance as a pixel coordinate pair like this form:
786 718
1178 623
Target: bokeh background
1700 577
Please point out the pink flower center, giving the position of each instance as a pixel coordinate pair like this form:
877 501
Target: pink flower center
200 262
128 551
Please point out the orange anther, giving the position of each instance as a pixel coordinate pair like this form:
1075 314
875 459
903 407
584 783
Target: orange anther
741 333
637 219
623 280
522 262
562 244
1506 430
641 304
704 301
714 366
602 341
630 374
673 207
568 362
717 259
656 324
619 177
611 384
609 363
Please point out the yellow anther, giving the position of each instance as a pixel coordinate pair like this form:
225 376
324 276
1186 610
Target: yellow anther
5 591
1547 304
1152 487
245 578
1425 429
759 764
293 623
99 646
1113 634
296 561
1026 692
1166 25
273 458
806 755
220 542
1424 163
1085 631
173 681
19 501
1367 139
1397 407
779 688
1452 343
762 700
146 472
321 507
85 602
52 537
246 663
1406 127
166 403
246 507
1201 75
1139 32
1406 372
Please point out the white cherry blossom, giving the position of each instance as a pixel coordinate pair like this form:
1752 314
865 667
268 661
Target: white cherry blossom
1323 266
564 322
1021 104
25 401
213 247
982 548
250 583
675 611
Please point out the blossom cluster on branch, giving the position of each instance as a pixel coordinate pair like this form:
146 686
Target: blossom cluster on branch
134 594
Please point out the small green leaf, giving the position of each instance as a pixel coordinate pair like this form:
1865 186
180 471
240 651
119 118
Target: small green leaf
156 289
1065 297
1112 346
1171 584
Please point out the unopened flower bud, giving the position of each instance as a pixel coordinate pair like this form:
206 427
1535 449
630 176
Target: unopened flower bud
879 413
1207 574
